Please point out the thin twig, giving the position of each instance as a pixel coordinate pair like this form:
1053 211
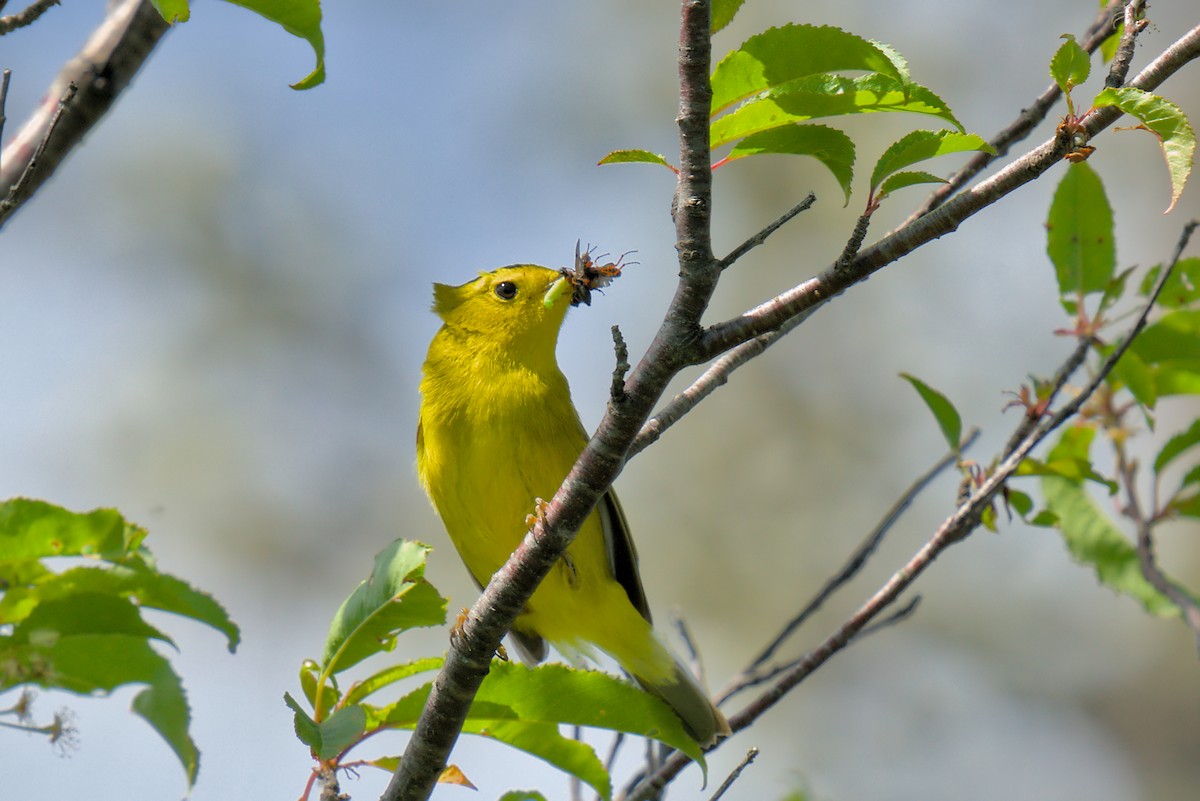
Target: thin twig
761 236
19 189
867 547
1026 121
101 70
26 17
747 760
5 77
965 519
617 390
773 313
1134 24
689 644
1188 607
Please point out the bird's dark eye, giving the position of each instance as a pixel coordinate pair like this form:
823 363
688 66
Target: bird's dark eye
506 290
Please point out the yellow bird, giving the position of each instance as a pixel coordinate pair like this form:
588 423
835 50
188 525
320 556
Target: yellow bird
497 430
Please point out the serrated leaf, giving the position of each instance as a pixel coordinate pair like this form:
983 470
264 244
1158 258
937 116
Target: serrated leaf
32 529
1079 237
164 706
172 11
1071 468
524 706
150 589
723 12
635 157
522 795
944 413
1175 337
1182 287
300 18
828 145
1137 377
780 55
900 180
1167 122
1176 446
1093 540
827 95
69 657
1071 65
360 690
920 146
393 599
307 730
341 730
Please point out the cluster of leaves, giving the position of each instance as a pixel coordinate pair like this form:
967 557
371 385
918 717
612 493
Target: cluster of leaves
765 92
1163 360
298 17
517 705
82 629
1071 67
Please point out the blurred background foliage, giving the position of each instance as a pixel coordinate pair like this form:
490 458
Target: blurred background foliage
215 315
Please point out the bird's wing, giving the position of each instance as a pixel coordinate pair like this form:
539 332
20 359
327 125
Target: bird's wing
622 556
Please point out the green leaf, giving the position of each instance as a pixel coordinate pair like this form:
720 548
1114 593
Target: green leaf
522 795
1019 502
341 730
151 589
360 690
1188 506
920 146
947 416
1182 287
827 95
1167 122
635 156
1080 234
1178 378
307 730
723 12
32 529
900 180
1172 338
300 18
779 55
70 657
1192 477
524 706
1072 468
395 598
828 145
172 11
1137 377
164 706
1070 65
1176 446
1093 540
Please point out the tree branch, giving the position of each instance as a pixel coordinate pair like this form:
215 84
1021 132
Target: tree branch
1026 121
939 222
28 16
105 65
603 457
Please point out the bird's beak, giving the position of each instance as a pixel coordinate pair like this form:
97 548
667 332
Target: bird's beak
556 291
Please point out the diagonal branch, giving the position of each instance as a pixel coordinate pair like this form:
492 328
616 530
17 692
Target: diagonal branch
954 529
1026 121
105 65
941 221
